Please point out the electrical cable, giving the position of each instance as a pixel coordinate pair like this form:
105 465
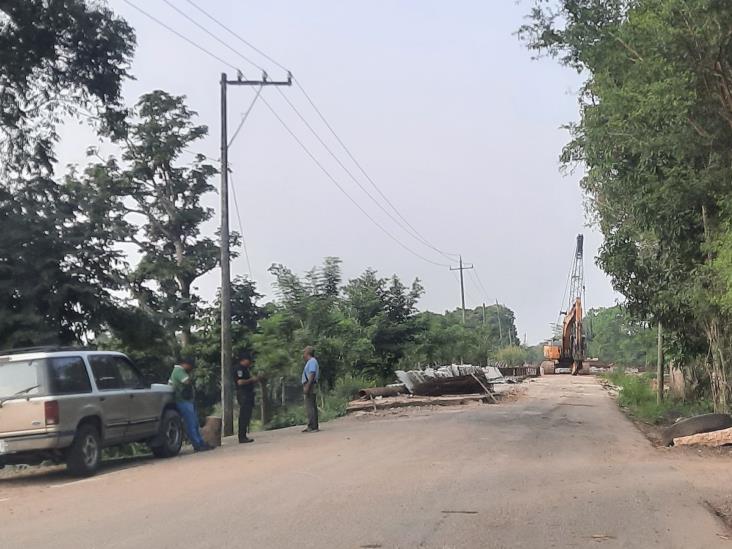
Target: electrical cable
234 34
284 124
414 232
212 35
181 36
244 117
349 172
340 188
241 226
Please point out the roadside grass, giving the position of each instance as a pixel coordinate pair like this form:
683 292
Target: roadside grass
638 397
331 405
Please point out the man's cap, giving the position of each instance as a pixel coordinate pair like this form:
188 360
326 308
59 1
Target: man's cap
245 355
189 360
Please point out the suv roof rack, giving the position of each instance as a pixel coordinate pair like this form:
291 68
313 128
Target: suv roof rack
44 349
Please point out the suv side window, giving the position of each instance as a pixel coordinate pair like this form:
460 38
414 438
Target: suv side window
68 375
105 371
130 376
114 373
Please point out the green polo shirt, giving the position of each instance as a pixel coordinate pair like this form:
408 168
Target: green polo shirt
182 384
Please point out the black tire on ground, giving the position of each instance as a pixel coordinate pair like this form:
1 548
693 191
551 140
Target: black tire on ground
85 454
169 441
698 424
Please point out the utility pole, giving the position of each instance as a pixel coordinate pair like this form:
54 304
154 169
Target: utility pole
500 328
484 313
659 366
227 385
462 268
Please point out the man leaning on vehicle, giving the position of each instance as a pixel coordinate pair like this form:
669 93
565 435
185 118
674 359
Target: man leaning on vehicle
182 382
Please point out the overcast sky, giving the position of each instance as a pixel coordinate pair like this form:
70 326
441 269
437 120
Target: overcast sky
441 105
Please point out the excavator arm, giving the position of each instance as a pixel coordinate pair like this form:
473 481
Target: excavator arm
569 352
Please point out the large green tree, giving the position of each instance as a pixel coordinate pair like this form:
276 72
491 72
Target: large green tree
655 135
57 58
58 266
159 195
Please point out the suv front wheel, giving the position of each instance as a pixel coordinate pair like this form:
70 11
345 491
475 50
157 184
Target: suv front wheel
85 453
168 442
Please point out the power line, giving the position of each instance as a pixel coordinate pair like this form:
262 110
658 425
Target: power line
414 232
245 116
345 168
294 136
241 226
340 188
212 35
368 177
181 36
235 35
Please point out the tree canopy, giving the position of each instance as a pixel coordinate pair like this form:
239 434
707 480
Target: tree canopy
654 137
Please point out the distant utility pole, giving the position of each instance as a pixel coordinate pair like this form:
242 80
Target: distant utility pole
227 386
462 268
484 313
659 366
500 328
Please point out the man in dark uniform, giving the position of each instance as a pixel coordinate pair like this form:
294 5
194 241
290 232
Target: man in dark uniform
244 382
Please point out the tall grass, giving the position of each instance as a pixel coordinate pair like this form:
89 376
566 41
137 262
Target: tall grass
637 395
331 404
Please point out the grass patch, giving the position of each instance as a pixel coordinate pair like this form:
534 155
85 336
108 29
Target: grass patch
331 405
639 398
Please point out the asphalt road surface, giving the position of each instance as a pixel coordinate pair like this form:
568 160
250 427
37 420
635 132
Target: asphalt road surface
559 467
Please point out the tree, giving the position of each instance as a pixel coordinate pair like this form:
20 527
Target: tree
616 337
655 135
59 57
513 355
206 337
166 196
58 268
58 263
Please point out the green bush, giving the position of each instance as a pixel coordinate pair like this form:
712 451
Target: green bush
331 406
349 385
637 395
288 417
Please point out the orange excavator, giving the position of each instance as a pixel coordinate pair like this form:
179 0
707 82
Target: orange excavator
566 353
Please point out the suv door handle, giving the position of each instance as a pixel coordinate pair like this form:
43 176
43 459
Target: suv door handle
132 396
102 399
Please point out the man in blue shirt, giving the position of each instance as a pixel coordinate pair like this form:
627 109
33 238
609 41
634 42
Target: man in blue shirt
310 376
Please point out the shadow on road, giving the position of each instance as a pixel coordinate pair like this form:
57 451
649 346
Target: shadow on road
52 474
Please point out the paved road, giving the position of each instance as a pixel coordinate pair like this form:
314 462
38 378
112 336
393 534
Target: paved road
560 467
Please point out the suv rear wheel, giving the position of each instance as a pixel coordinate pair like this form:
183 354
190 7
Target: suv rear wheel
168 442
85 453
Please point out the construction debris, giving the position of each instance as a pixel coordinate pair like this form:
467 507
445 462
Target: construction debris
713 438
434 387
446 380
704 423
388 391
403 401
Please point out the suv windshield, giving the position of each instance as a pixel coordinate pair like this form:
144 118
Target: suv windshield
20 377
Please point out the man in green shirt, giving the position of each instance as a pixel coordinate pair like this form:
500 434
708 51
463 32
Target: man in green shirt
182 383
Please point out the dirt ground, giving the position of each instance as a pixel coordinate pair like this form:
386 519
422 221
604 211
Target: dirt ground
560 466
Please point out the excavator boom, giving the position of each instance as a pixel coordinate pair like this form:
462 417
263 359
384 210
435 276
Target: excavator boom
569 351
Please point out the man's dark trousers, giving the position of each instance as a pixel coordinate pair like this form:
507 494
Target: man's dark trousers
246 405
311 407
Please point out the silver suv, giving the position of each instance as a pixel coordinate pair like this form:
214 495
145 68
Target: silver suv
65 405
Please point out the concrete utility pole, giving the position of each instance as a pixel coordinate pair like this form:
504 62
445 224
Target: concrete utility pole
227 386
462 268
659 367
500 328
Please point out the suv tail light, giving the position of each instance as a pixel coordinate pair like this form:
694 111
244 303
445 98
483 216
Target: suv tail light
50 408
